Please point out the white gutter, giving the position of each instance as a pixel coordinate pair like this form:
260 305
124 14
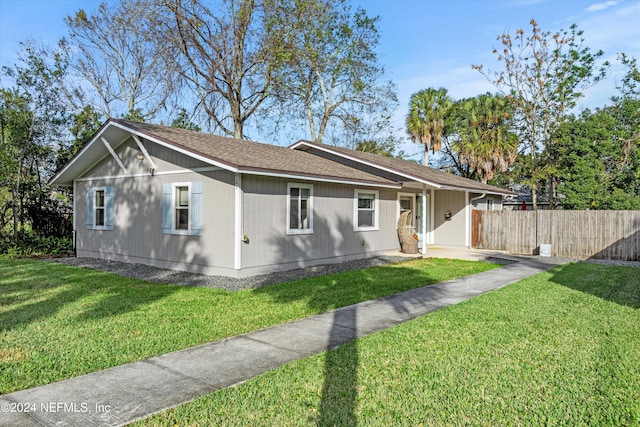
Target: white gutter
477 198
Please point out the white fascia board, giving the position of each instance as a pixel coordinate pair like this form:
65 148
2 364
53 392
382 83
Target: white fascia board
178 149
96 139
101 158
471 190
321 179
374 165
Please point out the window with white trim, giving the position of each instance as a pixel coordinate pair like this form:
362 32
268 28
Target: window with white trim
98 207
490 204
299 208
182 208
365 210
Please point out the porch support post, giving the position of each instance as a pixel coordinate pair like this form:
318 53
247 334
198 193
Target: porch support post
432 215
237 226
424 219
467 220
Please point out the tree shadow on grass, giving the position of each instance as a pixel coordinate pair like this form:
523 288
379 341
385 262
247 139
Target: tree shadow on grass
41 290
339 396
617 284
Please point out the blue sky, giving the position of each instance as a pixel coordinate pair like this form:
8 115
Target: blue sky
424 43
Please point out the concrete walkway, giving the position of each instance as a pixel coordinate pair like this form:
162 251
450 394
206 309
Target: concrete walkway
125 393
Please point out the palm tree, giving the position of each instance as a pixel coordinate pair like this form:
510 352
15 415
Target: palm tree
427 118
484 136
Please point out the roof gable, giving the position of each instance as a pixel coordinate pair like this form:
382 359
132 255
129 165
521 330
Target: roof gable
227 153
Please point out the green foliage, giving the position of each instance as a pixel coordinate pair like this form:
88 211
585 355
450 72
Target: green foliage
383 148
135 115
484 137
30 243
83 126
33 120
630 85
543 74
599 158
183 121
426 121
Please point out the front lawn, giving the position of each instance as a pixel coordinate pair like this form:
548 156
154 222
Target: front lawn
560 348
58 322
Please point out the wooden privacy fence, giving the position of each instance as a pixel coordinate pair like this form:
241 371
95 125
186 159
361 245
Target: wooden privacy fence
611 235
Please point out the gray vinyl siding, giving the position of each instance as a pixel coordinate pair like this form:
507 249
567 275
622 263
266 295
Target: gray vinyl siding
333 238
449 232
137 230
128 152
481 204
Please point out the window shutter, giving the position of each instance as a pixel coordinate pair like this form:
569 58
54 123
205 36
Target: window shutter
166 208
108 208
196 209
90 208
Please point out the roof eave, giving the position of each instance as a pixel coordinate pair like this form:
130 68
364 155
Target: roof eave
321 178
375 165
400 173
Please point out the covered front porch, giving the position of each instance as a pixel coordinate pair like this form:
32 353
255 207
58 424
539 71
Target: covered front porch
440 216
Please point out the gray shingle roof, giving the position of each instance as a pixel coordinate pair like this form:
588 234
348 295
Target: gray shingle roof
410 170
247 156
263 159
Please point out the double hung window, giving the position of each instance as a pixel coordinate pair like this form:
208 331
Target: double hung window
299 208
182 208
366 210
181 204
100 208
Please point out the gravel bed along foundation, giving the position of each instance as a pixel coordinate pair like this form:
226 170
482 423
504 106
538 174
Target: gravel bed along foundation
162 275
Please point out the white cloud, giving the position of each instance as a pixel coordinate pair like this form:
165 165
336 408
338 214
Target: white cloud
601 6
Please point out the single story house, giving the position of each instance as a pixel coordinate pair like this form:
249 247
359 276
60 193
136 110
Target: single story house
185 200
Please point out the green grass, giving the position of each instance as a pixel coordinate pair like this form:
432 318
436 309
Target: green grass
560 348
57 322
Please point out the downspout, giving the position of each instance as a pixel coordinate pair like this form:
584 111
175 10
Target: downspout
75 217
478 197
424 219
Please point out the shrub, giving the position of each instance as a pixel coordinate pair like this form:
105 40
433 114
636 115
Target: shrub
29 243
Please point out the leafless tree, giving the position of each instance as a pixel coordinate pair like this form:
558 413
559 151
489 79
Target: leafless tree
123 71
227 56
